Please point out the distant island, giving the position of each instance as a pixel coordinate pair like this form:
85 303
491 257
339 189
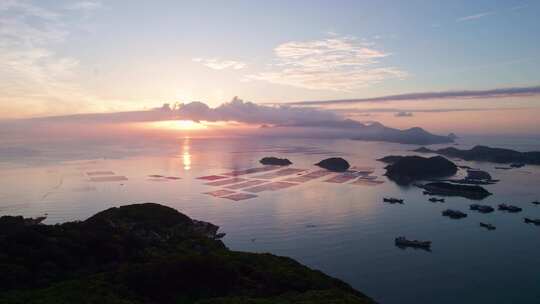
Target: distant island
275 161
336 164
149 253
487 154
407 169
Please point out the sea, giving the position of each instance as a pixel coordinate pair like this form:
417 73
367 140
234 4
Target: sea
342 228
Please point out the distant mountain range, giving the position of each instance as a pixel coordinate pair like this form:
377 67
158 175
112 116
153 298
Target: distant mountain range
375 131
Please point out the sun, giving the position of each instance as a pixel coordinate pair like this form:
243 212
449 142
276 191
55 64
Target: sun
182 125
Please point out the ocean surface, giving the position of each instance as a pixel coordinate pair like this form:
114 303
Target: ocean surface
342 229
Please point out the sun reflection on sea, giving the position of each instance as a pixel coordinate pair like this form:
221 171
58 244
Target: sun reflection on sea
186 156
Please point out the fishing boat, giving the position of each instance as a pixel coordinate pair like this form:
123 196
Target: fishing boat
481 208
404 242
434 200
488 226
392 200
509 208
454 214
532 221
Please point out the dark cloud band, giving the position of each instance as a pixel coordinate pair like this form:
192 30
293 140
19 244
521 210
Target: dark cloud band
464 94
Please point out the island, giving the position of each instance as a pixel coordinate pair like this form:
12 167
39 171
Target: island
488 154
275 161
336 164
449 189
148 253
407 169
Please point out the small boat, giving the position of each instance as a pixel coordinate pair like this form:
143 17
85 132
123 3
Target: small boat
509 208
434 200
481 208
454 214
404 242
532 221
517 165
488 226
535 203
392 200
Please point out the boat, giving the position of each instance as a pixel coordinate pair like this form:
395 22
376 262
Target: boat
454 214
517 165
532 221
481 208
434 200
535 203
509 208
392 200
404 242
488 226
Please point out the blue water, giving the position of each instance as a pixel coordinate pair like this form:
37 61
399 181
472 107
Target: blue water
343 230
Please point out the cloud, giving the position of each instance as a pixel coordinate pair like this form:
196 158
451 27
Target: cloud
403 114
281 121
85 5
519 7
464 94
367 112
475 16
24 9
335 63
236 110
217 64
32 73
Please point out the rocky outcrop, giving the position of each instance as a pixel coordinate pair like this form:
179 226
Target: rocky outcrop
336 164
406 169
275 161
148 253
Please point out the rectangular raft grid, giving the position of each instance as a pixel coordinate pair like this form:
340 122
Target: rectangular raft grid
280 173
211 177
251 171
227 181
263 182
273 186
219 193
239 196
246 184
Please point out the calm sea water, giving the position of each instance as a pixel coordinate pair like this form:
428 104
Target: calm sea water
343 230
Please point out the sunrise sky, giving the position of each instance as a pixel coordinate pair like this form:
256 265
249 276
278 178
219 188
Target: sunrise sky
70 57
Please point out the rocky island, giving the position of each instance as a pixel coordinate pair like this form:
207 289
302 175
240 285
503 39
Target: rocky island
449 189
148 253
407 169
487 154
275 161
336 164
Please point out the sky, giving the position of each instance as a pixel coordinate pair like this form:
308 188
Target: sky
71 57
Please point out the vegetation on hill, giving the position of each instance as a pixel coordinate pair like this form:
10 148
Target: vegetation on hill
148 253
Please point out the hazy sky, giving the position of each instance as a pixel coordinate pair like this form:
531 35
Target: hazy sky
62 57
